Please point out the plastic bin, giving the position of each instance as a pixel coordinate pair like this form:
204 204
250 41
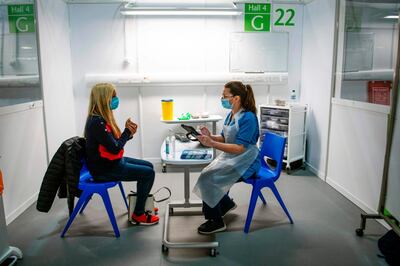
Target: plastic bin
379 92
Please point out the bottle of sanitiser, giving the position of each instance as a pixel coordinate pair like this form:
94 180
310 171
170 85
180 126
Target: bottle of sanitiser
167 146
173 145
171 142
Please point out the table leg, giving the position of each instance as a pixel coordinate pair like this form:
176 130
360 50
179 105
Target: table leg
166 244
187 186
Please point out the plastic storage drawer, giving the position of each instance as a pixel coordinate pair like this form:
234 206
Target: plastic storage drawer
280 120
275 112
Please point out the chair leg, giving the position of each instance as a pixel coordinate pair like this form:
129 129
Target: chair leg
261 196
85 204
109 208
123 194
278 197
252 205
85 195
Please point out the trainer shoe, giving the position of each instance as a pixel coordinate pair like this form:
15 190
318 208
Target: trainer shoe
211 227
144 219
225 209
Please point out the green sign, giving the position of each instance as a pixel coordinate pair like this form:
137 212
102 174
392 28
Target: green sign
21 18
257 17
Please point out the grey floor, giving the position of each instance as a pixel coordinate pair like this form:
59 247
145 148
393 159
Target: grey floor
322 233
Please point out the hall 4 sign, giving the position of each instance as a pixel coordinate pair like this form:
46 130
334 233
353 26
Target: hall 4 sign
21 18
258 17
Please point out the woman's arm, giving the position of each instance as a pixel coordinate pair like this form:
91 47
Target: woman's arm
106 138
217 138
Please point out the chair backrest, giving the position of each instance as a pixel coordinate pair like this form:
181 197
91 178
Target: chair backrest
273 147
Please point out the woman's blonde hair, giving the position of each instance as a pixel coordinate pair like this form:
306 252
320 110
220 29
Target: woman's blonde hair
99 104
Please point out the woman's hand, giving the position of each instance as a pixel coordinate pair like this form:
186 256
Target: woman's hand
205 131
131 126
206 140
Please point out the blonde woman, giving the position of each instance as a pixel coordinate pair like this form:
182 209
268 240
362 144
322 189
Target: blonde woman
105 148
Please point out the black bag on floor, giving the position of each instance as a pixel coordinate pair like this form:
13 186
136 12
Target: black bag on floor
389 245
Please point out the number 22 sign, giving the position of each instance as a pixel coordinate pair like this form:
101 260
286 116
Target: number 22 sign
258 17
285 17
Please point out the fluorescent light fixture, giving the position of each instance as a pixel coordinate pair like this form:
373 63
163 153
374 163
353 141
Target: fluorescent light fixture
393 17
181 12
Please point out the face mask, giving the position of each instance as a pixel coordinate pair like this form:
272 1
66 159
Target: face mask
226 104
114 103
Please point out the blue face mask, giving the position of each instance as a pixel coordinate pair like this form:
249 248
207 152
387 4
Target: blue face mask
226 104
114 103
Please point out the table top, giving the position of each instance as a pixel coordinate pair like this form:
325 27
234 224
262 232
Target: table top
211 118
175 158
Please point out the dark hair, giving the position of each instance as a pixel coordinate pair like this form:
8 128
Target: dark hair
237 88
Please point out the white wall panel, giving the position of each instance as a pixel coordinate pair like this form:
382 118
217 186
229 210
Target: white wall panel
23 156
97 35
356 153
168 45
55 57
316 83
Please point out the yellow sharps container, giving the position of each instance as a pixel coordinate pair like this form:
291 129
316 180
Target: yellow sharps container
167 106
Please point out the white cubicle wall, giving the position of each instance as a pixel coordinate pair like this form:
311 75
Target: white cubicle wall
23 158
102 43
316 81
55 72
358 129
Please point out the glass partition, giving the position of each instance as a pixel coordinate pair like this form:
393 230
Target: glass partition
19 74
367 47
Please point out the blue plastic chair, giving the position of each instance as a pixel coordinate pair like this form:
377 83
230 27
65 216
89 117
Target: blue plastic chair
89 187
273 147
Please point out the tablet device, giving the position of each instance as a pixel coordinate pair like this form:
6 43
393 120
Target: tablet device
191 130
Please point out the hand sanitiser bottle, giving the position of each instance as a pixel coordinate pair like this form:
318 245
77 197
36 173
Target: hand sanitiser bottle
172 146
167 147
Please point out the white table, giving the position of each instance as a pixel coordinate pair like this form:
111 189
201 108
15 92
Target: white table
174 159
213 119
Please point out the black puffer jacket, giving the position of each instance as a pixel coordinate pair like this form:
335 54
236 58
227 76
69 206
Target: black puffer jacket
62 174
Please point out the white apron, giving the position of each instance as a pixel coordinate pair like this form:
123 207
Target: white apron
219 176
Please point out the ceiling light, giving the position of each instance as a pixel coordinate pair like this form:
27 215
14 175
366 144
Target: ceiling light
393 17
181 11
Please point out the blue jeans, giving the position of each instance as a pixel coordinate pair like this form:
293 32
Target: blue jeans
130 169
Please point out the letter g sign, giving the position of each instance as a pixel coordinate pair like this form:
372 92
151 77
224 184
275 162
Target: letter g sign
253 22
21 24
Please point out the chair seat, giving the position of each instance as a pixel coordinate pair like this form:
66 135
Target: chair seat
91 184
265 173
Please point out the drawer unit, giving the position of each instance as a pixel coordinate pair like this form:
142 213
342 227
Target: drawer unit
288 121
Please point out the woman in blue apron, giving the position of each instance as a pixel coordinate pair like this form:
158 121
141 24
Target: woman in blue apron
239 157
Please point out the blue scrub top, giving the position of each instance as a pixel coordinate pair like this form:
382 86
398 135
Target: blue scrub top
248 135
